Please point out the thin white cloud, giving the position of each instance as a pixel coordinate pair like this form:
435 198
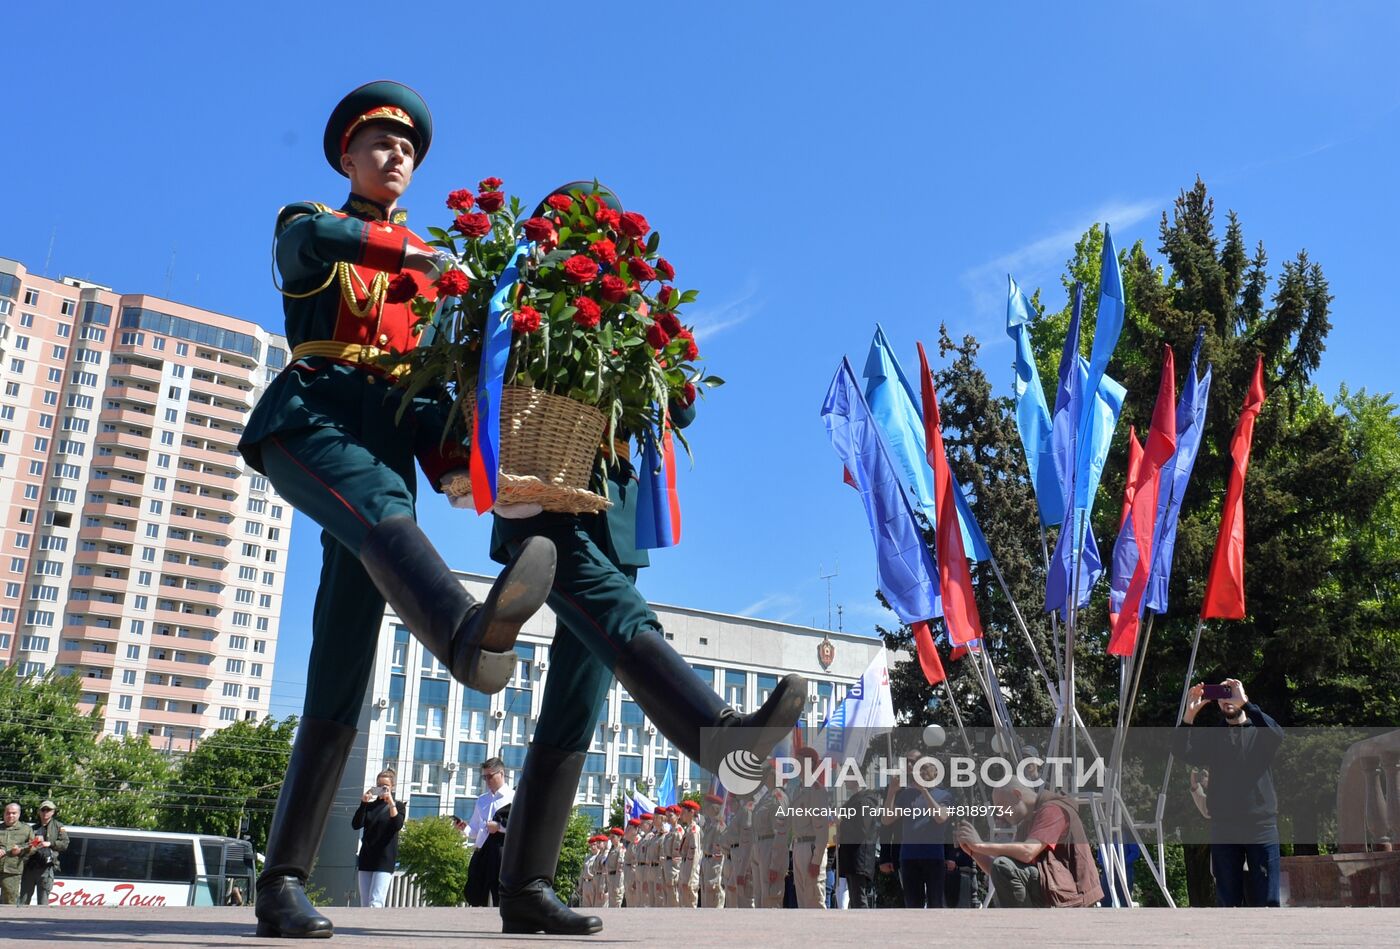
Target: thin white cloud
710 322
1038 263
774 606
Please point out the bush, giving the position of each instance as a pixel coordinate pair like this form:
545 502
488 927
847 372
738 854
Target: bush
432 851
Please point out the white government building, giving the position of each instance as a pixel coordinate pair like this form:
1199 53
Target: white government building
436 734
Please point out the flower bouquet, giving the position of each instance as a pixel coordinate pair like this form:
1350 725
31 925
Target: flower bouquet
597 353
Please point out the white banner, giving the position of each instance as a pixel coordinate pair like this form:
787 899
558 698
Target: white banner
83 892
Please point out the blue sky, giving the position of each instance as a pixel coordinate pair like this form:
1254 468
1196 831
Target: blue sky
812 167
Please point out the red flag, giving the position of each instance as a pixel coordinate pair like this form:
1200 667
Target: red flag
1134 466
954 577
849 478
927 653
1129 489
1225 587
1161 445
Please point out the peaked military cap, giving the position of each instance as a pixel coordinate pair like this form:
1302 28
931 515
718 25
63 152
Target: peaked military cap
604 193
381 101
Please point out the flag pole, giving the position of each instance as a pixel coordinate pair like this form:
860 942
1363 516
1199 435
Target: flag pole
1054 617
1025 631
1180 716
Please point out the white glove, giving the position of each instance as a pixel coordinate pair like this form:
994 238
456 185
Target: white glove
461 503
516 511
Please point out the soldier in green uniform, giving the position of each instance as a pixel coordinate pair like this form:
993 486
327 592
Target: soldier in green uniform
606 629
15 836
327 434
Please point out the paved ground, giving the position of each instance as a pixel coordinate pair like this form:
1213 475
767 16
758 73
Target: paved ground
770 929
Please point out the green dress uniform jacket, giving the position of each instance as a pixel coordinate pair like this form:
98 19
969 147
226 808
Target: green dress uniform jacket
327 430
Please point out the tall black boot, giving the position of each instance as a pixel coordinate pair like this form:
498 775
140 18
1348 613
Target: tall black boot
313 774
539 815
475 641
688 712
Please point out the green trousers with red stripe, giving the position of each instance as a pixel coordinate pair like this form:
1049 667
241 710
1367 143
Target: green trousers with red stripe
599 610
346 479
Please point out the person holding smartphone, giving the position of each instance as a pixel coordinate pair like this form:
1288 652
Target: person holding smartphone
1244 843
379 818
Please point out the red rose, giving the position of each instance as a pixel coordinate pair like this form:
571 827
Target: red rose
604 251
664 297
607 217
692 352
559 202
473 225
663 267
580 268
670 323
633 225
589 313
460 200
539 229
526 319
612 288
657 336
402 288
489 184
454 283
640 269
688 395
491 201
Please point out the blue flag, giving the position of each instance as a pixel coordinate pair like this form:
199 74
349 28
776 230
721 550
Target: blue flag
666 787
903 568
896 410
1108 325
1190 423
1032 414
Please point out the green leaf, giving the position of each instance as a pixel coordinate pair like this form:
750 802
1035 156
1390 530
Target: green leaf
653 242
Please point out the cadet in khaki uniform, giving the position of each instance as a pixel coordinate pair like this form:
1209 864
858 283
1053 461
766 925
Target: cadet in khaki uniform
585 874
644 848
615 858
741 854
671 858
712 844
691 853
629 863
768 863
811 827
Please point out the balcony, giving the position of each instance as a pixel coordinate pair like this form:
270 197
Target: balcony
117 486
117 462
222 413
87 657
99 583
93 634
191 620
123 439
191 571
180 693
186 493
220 439
113 509
229 370
188 644
98 608
128 370
186 670
192 597
203 525
101 558
155 718
114 534
195 547
220 459
130 394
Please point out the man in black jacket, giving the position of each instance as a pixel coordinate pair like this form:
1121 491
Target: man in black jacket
42 860
1244 851
858 845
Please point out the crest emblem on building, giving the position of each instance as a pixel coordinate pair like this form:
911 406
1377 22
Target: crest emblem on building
826 653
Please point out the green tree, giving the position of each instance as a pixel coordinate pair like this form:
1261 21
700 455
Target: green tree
44 740
127 781
234 773
431 850
572 854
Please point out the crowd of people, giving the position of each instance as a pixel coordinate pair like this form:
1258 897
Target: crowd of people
30 855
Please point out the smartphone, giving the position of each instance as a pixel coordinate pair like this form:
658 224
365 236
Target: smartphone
1217 692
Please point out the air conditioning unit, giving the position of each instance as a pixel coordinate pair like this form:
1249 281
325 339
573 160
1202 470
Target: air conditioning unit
811 700
451 767
616 727
498 714
381 703
542 665
612 778
651 729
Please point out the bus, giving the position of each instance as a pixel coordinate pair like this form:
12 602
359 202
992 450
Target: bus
111 866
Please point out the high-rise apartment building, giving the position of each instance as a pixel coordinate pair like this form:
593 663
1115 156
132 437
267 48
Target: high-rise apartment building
138 550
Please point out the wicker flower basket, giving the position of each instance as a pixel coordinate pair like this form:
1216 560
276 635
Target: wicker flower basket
548 447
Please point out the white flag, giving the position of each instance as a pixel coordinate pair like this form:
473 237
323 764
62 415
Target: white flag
866 710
